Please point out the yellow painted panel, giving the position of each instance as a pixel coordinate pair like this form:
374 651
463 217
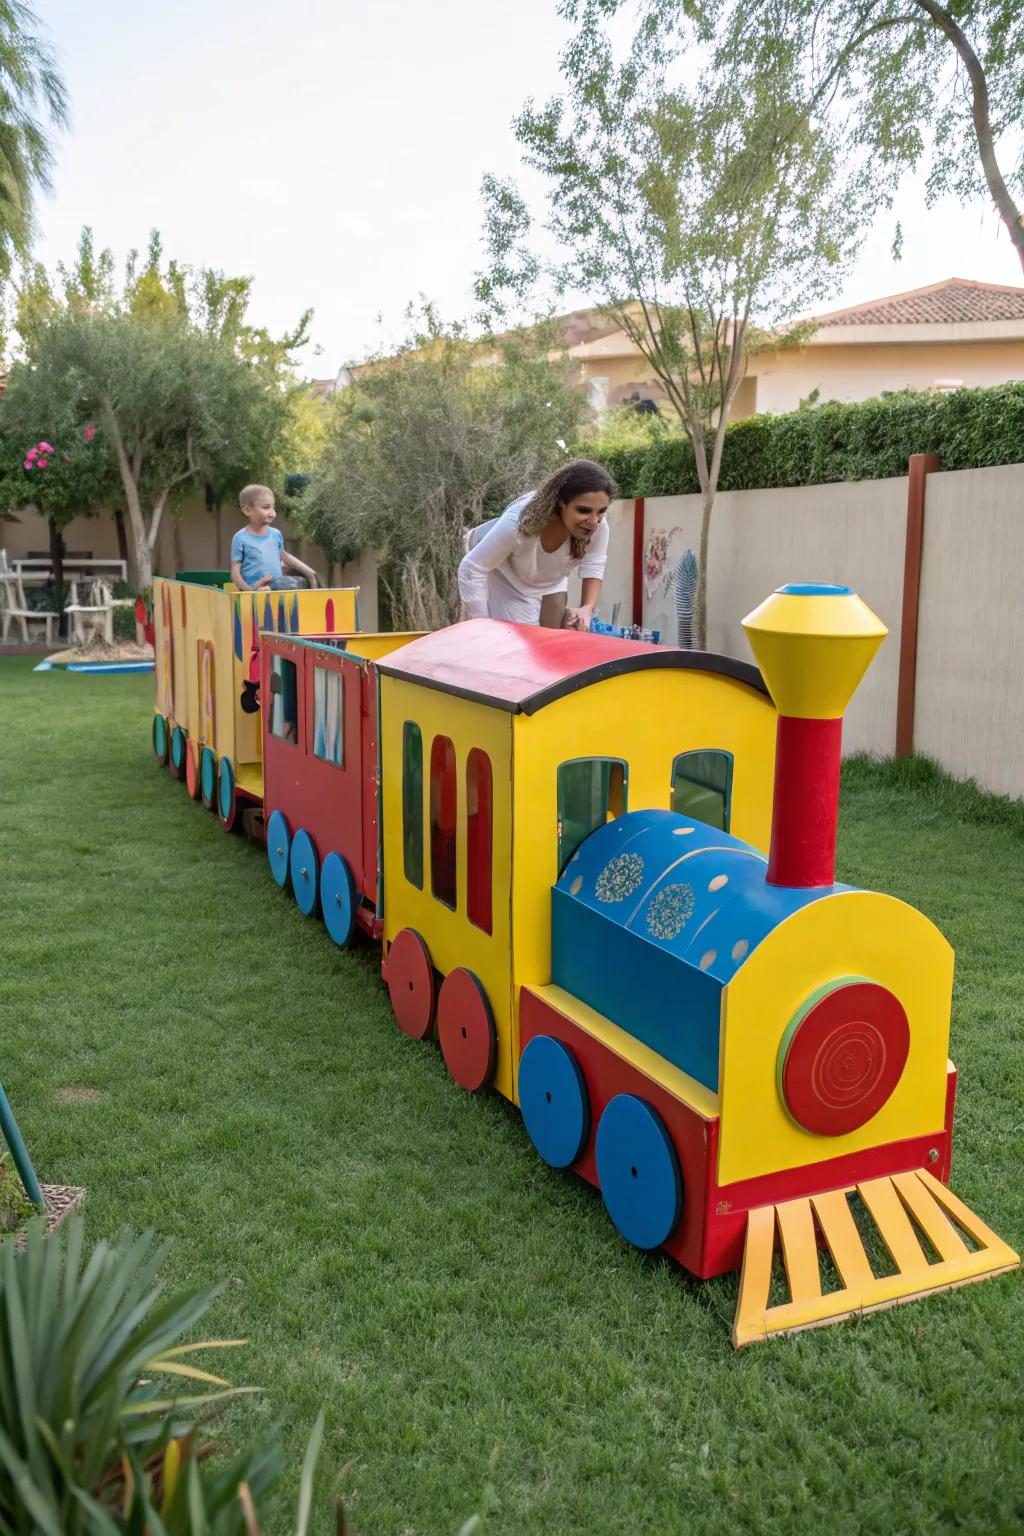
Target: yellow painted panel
799 1249
944 1237
634 1051
973 1225
893 1222
851 933
755 1276
209 618
813 649
374 647
863 1292
451 938
844 1240
647 719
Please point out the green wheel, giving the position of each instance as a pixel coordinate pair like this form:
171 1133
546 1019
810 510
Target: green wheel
227 799
161 738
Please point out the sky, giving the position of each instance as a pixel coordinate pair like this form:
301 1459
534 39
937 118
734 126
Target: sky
333 150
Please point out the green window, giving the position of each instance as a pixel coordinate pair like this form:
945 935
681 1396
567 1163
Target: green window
702 787
284 699
328 716
412 803
591 791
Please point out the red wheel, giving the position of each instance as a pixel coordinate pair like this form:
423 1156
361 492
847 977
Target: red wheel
410 980
842 1056
465 1028
191 772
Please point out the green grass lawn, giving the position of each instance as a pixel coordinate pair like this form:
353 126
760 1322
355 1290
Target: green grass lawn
177 1038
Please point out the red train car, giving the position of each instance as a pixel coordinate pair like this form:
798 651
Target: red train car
320 768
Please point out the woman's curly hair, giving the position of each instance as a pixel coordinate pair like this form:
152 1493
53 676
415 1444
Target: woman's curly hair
579 478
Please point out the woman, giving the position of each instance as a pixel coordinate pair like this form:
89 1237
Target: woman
530 550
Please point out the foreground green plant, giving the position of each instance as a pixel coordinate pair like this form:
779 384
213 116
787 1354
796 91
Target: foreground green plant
15 1206
89 1440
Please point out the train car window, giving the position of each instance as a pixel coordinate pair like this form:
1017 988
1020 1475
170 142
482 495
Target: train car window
479 837
284 699
329 716
443 812
702 787
591 791
412 803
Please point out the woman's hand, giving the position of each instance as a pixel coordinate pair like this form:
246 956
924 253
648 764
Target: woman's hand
577 618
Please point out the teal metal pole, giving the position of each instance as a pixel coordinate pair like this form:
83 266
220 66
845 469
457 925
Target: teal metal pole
19 1152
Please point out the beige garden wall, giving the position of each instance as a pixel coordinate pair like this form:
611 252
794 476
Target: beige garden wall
852 534
970 659
197 541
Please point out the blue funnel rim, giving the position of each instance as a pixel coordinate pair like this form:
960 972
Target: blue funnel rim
813 589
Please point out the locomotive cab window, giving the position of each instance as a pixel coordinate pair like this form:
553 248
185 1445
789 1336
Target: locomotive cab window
284 699
412 803
591 791
479 835
702 787
329 716
443 813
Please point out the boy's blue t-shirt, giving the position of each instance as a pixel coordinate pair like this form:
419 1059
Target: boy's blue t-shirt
259 554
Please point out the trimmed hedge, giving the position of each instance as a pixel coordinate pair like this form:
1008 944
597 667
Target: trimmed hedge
871 440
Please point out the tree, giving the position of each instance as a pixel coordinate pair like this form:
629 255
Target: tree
30 88
686 209
905 81
426 443
50 464
182 390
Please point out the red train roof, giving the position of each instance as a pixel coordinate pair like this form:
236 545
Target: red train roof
521 667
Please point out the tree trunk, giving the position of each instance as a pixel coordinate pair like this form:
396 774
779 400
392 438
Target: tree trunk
123 552
58 549
138 543
980 113
701 614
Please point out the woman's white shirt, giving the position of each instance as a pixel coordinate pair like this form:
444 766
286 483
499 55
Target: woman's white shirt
524 568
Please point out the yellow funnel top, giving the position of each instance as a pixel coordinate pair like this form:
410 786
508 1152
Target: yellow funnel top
813 644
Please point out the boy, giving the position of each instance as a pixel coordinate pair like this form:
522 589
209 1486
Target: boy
258 552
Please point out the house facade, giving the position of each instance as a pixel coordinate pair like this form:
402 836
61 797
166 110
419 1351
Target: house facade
946 336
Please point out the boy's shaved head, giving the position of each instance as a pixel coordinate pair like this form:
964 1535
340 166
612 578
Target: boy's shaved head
252 495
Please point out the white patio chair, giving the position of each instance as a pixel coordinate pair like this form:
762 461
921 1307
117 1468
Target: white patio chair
94 617
16 609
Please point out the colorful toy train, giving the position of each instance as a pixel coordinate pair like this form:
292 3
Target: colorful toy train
602 873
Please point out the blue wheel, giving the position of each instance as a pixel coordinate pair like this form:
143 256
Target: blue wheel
338 899
553 1101
278 847
160 738
638 1172
227 807
304 870
178 752
208 777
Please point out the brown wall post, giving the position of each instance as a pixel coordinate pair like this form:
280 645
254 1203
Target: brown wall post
921 465
638 560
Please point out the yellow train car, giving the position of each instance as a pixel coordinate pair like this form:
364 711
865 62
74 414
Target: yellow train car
503 747
204 639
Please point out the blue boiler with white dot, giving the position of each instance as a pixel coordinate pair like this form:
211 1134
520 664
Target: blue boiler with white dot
652 917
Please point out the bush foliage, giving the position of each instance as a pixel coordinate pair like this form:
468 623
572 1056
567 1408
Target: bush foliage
871 440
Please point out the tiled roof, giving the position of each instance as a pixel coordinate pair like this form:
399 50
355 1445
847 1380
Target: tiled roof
957 301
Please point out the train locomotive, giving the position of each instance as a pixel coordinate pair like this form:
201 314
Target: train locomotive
602 876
